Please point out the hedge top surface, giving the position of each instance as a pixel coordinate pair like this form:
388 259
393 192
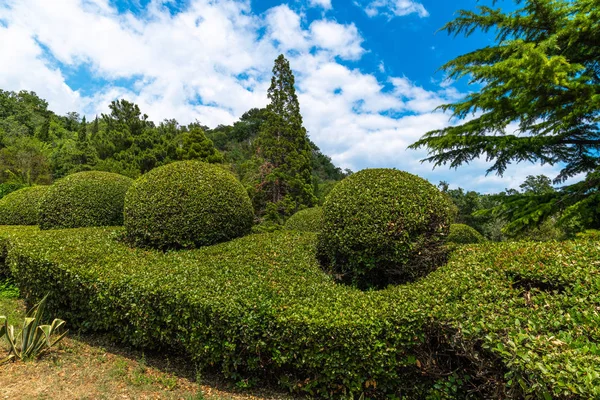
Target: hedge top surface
307 220
464 234
187 204
528 306
90 198
380 219
21 207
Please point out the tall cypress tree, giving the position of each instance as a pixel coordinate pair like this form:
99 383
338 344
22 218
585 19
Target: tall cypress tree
82 134
283 144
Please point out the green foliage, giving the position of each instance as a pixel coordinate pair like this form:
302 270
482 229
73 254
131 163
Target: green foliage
500 320
464 234
8 232
286 173
8 290
38 147
21 207
6 188
307 220
542 76
382 226
84 199
196 146
469 204
34 339
185 205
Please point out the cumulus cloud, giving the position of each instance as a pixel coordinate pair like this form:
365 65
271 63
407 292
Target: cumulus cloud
212 62
325 4
344 40
393 8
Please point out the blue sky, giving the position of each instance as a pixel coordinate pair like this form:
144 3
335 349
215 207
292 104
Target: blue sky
366 70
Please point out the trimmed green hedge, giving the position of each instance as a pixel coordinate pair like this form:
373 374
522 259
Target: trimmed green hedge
90 198
383 226
506 320
187 204
308 220
6 234
464 234
21 207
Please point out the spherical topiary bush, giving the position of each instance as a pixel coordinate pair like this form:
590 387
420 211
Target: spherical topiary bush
307 220
383 226
464 234
21 207
90 198
186 204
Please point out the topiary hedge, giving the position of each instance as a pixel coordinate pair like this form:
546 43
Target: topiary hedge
187 204
383 226
508 320
90 198
464 234
21 207
308 220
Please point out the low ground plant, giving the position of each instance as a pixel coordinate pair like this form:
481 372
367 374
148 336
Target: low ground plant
34 338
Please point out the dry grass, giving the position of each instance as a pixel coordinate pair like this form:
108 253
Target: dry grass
89 367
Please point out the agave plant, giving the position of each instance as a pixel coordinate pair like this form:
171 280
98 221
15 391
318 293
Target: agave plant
34 338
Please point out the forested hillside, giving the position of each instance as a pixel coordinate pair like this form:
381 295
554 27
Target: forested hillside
38 146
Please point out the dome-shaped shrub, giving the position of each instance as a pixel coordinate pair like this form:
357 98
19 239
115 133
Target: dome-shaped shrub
21 207
186 204
307 220
90 198
383 226
464 234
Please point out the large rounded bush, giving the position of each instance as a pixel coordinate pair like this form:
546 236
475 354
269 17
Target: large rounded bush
21 207
307 220
186 204
383 226
90 198
464 234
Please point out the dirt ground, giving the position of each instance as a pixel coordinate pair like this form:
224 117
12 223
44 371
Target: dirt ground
90 367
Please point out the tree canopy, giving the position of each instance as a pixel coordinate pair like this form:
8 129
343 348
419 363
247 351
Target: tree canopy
284 146
541 77
539 101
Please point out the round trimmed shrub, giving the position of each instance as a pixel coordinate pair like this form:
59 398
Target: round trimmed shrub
464 234
383 226
21 207
187 204
307 220
90 198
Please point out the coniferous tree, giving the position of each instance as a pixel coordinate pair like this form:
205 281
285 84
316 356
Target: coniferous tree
283 144
95 127
543 76
82 133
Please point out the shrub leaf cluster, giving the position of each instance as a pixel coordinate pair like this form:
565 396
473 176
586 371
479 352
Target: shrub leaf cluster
185 205
89 198
21 207
307 220
382 226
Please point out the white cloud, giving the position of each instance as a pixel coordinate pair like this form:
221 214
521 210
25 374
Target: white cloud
212 62
394 8
325 4
343 40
